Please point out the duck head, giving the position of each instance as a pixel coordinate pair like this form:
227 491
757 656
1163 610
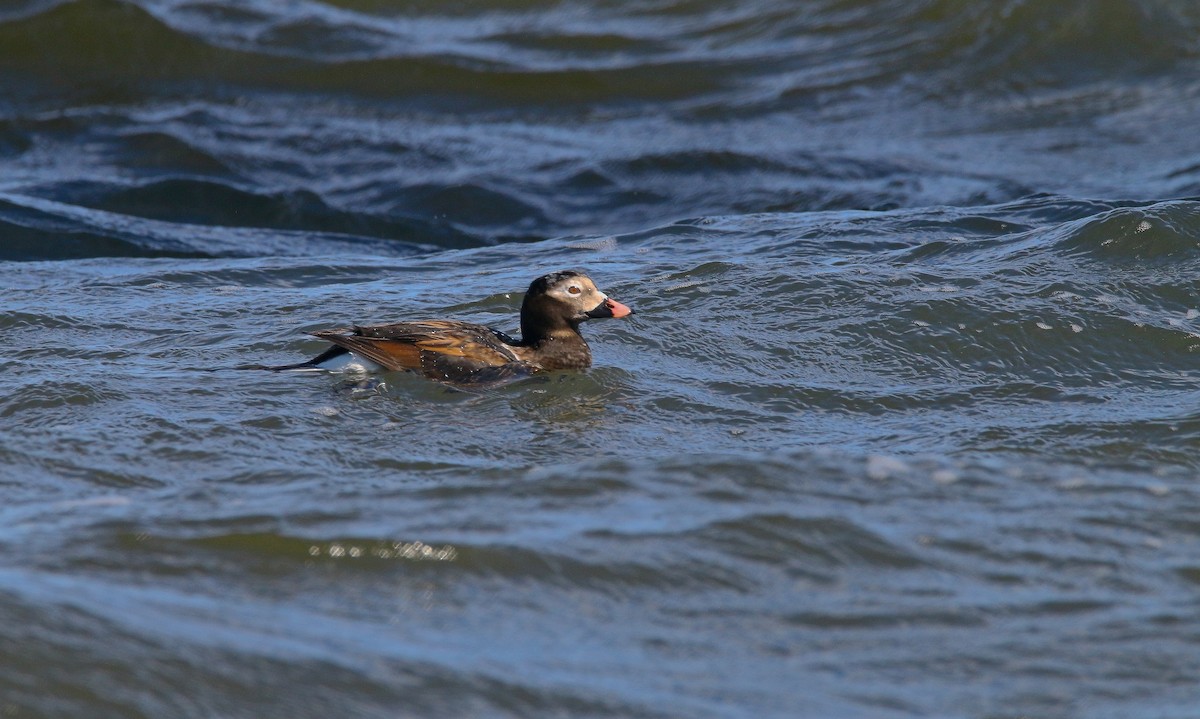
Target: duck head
563 300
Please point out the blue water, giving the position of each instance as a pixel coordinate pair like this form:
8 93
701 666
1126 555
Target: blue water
906 424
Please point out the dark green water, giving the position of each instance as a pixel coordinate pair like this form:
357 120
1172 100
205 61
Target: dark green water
907 423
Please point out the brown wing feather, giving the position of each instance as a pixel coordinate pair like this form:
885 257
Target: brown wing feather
438 349
386 354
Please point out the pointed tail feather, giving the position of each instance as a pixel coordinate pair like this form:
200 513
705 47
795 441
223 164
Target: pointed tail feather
312 365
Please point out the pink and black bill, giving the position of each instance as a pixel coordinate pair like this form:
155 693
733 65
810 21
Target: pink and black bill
610 308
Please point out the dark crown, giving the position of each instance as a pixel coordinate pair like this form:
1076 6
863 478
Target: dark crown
543 284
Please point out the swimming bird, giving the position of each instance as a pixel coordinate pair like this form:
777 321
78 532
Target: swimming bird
463 352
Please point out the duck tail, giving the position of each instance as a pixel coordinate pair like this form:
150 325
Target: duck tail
263 367
311 365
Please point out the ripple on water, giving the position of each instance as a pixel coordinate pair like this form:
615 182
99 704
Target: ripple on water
54 402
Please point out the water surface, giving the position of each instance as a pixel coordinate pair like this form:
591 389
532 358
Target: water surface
906 424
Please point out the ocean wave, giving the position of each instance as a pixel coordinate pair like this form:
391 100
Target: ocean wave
1166 233
112 49
37 229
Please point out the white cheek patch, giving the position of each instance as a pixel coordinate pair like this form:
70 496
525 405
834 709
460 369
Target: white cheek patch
565 294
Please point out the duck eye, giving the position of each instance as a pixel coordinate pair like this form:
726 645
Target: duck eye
573 290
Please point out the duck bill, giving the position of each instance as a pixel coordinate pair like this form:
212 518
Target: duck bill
610 308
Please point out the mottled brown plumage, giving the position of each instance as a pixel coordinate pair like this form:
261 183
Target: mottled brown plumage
463 352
